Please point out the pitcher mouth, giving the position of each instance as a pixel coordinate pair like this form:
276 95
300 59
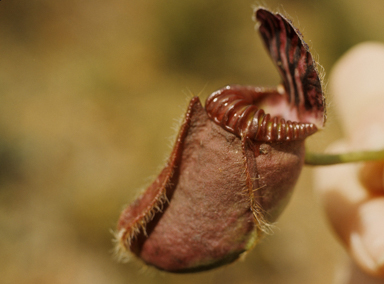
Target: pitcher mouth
291 111
257 113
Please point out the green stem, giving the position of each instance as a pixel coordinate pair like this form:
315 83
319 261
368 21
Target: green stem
315 159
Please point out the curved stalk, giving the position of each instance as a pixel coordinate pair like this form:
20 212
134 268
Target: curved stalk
316 159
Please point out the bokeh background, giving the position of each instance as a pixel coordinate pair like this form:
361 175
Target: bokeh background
90 94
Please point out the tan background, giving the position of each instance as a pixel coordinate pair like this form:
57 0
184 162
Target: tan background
89 92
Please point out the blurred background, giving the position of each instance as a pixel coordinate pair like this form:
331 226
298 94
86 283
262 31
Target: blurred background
90 94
